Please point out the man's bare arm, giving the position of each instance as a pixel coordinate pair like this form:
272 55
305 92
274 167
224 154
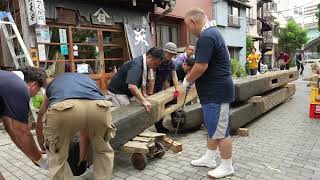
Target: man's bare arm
197 71
175 80
22 137
39 126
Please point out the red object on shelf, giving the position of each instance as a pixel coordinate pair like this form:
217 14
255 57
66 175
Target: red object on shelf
314 111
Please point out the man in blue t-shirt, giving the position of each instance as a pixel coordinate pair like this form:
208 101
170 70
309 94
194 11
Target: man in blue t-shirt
74 103
212 76
16 88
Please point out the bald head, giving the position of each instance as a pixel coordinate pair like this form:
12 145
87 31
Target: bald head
195 19
196 14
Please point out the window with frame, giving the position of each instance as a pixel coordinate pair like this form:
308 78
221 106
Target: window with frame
234 10
92 51
167 33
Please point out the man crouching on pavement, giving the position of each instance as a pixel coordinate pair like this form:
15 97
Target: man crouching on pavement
212 75
74 103
16 88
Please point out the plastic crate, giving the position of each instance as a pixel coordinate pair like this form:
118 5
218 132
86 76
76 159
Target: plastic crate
314 111
313 95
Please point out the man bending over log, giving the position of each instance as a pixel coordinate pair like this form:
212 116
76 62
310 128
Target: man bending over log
74 103
133 75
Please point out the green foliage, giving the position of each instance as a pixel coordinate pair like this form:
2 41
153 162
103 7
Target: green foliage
37 100
292 37
249 44
236 69
318 16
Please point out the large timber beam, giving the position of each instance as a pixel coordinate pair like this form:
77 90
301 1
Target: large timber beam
133 119
247 87
243 113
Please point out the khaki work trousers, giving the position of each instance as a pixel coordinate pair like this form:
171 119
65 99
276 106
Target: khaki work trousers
64 119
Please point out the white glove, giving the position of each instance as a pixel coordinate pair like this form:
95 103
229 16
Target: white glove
43 162
186 84
250 61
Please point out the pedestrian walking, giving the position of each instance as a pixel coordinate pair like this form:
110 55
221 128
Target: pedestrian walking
212 76
253 59
16 88
73 103
299 61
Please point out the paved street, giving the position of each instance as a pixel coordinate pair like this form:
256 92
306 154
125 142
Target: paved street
283 144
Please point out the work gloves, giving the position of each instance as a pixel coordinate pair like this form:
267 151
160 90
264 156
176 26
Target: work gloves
176 94
187 85
43 162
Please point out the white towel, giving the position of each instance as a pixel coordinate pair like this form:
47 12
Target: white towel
145 71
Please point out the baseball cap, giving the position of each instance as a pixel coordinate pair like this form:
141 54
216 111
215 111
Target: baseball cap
170 47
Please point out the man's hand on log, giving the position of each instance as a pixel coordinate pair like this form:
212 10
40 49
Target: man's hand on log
147 105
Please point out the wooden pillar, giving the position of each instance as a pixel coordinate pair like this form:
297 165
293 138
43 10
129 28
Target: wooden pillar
28 32
103 83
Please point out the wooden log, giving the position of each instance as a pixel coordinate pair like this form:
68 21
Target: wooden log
247 87
246 112
131 122
175 146
164 97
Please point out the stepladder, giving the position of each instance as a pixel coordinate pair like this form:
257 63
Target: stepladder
11 32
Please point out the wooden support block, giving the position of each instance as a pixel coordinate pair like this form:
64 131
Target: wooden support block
143 139
157 136
242 132
175 146
135 147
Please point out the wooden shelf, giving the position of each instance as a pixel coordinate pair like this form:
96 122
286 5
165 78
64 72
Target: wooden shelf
114 59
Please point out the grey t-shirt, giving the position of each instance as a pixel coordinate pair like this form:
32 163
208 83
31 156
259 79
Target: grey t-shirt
129 73
73 86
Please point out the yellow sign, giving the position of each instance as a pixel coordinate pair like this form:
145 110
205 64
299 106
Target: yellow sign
34 54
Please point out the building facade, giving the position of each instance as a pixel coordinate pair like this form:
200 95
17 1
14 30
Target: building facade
171 27
252 26
268 28
91 37
230 16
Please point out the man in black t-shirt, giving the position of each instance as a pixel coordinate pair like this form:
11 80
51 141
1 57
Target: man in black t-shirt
184 68
126 82
164 72
16 88
212 76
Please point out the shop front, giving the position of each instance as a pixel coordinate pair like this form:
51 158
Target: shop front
90 37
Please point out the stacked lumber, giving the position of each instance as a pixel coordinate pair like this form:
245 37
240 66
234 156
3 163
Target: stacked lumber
255 95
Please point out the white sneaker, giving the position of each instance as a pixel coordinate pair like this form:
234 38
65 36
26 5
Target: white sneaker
221 171
204 161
